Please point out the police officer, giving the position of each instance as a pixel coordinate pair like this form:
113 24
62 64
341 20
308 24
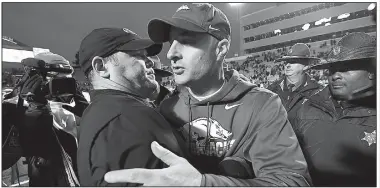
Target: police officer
297 83
337 126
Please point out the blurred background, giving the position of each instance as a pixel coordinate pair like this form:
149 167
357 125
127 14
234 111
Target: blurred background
261 32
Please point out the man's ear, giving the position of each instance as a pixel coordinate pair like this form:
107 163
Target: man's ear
222 49
99 67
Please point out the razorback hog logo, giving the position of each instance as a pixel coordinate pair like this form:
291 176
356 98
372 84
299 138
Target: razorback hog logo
216 130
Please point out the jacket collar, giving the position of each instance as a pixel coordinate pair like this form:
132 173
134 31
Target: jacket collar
324 101
100 93
308 84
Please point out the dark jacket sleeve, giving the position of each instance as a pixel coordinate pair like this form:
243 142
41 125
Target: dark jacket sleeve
36 131
273 150
124 145
80 104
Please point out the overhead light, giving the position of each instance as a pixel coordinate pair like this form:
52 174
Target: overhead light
325 19
13 55
306 26
371 6
235 4
345 15
319 22
40 50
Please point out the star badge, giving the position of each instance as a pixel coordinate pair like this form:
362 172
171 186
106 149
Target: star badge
370 137
336 50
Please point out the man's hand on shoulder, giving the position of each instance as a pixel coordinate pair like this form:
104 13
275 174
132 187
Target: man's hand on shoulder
179 173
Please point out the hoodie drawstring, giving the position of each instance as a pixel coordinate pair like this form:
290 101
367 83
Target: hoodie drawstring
208 126
190 125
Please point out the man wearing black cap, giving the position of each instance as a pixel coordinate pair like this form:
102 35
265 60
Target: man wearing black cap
337 126
296 84
118 127
236 134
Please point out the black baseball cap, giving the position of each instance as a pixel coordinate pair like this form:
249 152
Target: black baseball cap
103 42
196 17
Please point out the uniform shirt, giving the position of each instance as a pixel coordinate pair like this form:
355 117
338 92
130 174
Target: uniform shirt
338 140
116 132
293 99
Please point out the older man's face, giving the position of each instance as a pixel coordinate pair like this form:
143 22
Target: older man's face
135 70
344 81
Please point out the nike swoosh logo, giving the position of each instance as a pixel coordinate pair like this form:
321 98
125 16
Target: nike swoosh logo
232 106
212 28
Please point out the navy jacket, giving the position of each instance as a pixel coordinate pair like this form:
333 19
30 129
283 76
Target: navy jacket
291 101
338 140
117 130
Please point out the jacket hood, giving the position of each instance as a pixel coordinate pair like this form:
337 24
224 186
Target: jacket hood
232 90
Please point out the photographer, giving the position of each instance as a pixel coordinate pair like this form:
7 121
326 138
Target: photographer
47 120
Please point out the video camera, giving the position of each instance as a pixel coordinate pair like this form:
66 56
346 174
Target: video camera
54 86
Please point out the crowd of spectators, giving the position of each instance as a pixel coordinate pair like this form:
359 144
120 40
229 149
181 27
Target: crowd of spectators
11 76
259 68
263 71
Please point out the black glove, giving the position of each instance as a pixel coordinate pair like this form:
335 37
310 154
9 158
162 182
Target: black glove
32 90
80 105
